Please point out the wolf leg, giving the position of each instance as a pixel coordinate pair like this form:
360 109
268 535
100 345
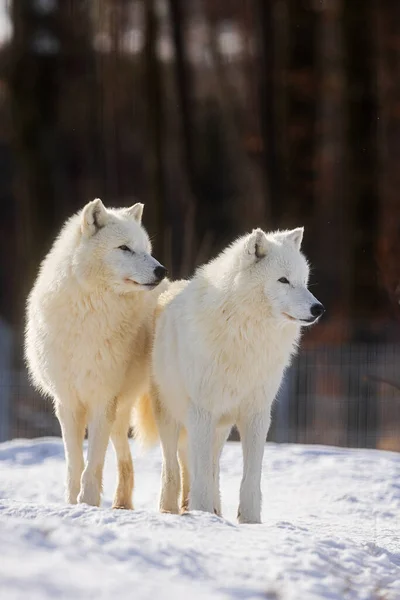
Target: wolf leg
170 477
185 473
201 433
220 439
119 438
253 431
99 434
73 423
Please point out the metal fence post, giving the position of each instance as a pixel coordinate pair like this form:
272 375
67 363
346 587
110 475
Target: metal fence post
6 345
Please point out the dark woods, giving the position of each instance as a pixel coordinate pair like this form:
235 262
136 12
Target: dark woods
220 115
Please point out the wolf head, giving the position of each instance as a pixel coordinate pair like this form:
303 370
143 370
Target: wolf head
273 265
114 250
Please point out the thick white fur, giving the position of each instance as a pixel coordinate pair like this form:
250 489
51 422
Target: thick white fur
222 343
88 339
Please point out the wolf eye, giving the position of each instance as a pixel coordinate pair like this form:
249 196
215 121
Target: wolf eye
125 249
283 280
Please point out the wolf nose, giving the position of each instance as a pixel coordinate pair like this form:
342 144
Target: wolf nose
160 272
317 310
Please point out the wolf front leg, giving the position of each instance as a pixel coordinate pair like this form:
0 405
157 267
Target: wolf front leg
220 439
253 431
201 433
99 434
73 424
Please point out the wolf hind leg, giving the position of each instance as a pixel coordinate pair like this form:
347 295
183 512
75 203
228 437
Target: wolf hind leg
119 438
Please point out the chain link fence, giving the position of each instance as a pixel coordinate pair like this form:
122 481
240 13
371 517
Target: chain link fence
342 396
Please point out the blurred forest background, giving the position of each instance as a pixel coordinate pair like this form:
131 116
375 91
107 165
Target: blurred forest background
220 115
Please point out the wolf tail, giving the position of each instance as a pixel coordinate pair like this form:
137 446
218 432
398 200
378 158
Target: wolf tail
143 422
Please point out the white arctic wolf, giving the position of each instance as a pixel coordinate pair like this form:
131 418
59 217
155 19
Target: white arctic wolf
88 339
221 346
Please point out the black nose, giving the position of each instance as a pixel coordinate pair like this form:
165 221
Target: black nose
160 272
317 310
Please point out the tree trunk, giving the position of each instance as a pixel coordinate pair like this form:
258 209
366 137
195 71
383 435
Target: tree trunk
333 215
34 87
362 160
155 118
264 24
387 17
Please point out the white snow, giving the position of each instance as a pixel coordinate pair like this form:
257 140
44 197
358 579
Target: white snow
331 530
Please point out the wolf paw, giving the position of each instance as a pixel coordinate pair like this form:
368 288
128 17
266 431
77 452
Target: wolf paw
201 502
71 498
89 495
169 510
119 506
122 501
247 518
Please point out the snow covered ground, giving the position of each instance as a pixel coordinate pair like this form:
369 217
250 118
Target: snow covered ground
331 530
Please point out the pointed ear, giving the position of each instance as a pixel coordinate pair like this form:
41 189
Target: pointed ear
296 236
256 244
136 212
94 217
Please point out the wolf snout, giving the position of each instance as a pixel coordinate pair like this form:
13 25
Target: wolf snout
160 273
317 310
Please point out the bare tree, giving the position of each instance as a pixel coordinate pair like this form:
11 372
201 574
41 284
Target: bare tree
155 123
34 87
387 19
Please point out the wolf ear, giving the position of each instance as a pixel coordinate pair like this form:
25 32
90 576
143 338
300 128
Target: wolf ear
94 217
296 236
136 212
256 244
